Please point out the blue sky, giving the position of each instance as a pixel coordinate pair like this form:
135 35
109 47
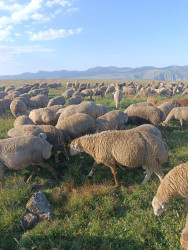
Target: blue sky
80 34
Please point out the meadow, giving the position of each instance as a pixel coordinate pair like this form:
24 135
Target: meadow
91 213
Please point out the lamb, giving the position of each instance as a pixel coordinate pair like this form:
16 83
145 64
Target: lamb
17 108
114 119
149 114
127 148
180 114
174 185
26 130
22 120
55 137
43 116
20 152
118 95
76 125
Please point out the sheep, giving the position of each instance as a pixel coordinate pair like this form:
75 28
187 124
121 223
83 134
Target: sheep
148 114
75 100
68 93
22 120
166 107
118 95
2 106
102 109
128 91
174 185
180 114
26 130
110 89
89 108
127 148
149 128
55 137
157 103
20 152
183 102
17 108
114 119
76 125
43 116
87 92
38 101
184 236
55 108
59 100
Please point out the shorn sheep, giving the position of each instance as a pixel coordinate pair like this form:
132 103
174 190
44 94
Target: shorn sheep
20 152
127 148
174 185
180 114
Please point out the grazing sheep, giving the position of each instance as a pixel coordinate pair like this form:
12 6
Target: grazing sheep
43 116
125 147
26 130
20 152
87 92
22 120
55 108
118 95
89 108
157 103
128 91
183 102
180 114
68 93
184 236
55 137
38 101
17 108
102 109
2 106
149 114
59 100
174 185
166 107
75 100
112 120
76 125
110 89
149 128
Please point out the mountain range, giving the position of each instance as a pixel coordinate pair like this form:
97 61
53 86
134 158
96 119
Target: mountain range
170 73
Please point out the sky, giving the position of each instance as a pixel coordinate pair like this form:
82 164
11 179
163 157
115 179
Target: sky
80 34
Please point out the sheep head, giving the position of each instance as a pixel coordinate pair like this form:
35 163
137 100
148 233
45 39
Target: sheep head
158 206
75 147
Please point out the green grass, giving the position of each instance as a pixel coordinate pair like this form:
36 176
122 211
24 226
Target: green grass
91 213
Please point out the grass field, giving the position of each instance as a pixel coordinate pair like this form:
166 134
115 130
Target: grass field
91 213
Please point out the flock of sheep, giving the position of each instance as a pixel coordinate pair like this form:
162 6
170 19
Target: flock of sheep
92 128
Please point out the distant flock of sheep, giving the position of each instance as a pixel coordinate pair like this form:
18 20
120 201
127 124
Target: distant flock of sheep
103 134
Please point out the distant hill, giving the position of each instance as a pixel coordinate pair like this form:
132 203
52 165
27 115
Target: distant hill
170 73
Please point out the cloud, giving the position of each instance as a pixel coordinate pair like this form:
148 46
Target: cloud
38 11
62 3
52 34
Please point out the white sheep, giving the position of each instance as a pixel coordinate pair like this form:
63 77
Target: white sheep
118 95
114 119
44 116
26 130
174 185
127 148
179 113
20 152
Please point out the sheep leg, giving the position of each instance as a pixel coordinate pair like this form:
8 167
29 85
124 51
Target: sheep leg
92 170
186 206
149 173
1 176
181 124
160 175
125 169
33 173
47 166
113 170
